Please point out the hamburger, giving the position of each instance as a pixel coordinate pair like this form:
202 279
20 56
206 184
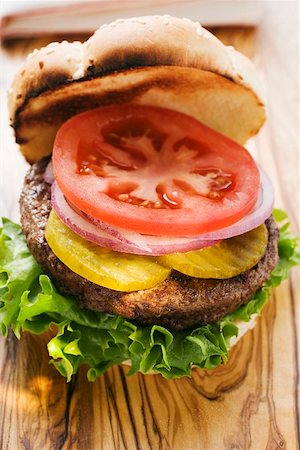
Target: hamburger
147 235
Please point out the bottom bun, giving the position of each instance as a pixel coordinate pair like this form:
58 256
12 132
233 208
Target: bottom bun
243 328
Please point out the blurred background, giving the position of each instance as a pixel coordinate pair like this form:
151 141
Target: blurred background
29 18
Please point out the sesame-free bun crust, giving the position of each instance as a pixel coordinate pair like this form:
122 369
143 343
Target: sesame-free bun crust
155 60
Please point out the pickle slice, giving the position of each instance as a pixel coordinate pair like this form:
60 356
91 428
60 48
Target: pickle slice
227 259
114 270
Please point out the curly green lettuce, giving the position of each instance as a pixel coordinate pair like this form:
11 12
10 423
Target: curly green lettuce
30 302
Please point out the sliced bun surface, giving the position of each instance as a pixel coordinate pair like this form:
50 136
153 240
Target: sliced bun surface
155 60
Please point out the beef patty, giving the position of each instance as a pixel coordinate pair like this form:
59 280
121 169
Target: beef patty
178 302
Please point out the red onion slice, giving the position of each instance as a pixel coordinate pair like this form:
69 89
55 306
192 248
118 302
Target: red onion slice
48 174
117 238
262 210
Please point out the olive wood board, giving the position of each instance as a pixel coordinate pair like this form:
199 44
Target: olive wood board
250 403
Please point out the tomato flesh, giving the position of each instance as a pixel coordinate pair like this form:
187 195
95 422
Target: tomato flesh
153 170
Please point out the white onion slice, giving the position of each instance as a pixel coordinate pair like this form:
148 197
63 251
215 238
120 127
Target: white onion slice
117 238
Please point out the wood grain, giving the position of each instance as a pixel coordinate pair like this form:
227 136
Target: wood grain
253 401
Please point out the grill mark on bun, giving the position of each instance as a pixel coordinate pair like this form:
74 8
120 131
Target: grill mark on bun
65 107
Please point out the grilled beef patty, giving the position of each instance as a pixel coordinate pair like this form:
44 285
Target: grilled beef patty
178 302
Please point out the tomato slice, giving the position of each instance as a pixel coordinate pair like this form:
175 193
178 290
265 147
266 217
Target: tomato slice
153 170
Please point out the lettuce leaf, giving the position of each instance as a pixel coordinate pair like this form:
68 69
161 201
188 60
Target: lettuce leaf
30 302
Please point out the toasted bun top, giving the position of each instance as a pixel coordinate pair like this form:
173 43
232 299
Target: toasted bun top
156 60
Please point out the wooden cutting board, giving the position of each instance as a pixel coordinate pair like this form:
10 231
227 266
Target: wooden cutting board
253 401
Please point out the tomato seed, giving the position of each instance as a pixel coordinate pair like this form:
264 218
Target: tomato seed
123 197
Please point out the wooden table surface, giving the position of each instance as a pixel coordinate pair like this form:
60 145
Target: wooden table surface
253 401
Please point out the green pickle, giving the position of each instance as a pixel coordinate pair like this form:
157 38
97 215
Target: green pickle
227 259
